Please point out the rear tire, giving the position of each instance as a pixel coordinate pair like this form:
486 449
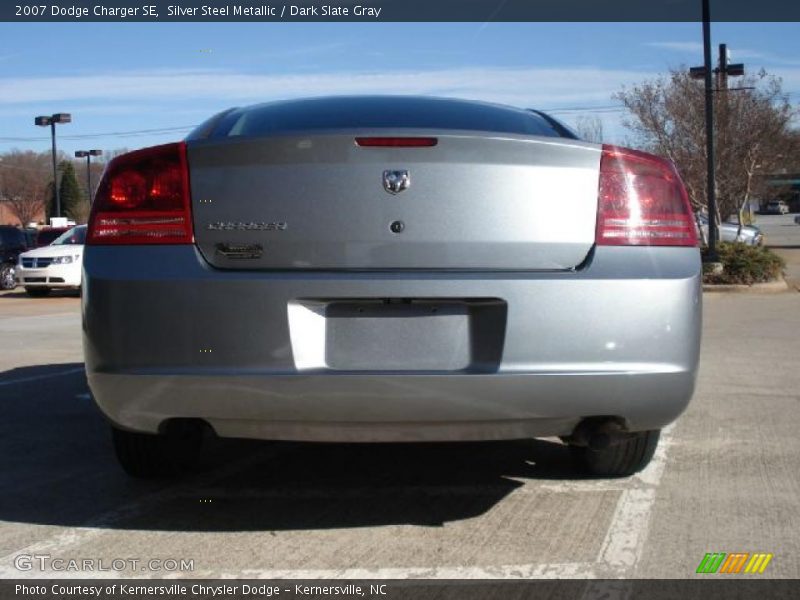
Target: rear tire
147 456
37 292
622 459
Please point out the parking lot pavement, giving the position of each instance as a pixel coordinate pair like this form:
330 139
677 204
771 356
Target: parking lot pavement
33 328
782 235
779 230
725 479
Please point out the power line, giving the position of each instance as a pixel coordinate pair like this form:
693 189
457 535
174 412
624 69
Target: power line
132 133
603 109
587 108
164 130
128 133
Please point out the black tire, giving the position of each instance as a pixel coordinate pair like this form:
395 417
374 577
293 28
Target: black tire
7 277
37 292
622 459
149 456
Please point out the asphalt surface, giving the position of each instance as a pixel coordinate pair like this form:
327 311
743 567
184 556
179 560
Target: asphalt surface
782 235
725 479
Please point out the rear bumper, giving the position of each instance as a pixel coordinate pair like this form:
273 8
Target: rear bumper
167 336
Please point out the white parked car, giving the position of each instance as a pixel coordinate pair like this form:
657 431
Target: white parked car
731 232
55 266
777 207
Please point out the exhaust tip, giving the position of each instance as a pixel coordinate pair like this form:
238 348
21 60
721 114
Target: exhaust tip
599 433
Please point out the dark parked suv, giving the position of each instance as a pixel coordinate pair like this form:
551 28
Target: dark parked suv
12 243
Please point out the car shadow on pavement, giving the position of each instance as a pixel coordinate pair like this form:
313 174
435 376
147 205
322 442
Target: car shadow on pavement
57 468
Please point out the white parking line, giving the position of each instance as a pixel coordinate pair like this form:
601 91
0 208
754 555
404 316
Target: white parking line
620 552
547 571
626 536
40 377
387 491
100 525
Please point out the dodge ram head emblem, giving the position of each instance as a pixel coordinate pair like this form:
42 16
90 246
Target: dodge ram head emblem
395 182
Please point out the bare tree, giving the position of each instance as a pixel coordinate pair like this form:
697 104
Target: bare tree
590 128
24 176
109 154
753 133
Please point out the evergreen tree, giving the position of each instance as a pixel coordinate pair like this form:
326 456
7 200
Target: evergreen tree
71 196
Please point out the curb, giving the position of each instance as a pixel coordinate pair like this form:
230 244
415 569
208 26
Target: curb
771 287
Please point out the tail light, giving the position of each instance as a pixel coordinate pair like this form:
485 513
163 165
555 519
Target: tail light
642 201
396 142
144 198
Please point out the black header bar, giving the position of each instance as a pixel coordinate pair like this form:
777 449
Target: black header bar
395 10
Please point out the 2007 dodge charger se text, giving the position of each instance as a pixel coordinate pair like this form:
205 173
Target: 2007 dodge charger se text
384 269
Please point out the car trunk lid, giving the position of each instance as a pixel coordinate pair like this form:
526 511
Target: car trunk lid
470 201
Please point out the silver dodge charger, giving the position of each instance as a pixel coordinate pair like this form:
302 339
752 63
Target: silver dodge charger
390 269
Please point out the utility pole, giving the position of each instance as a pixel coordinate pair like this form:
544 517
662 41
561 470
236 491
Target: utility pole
88 154
51 121
711 182
706 73
727 69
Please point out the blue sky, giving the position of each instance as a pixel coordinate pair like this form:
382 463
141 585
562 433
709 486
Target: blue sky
118 78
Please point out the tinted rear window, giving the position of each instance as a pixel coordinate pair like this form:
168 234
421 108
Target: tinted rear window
343 113
10 237
46 236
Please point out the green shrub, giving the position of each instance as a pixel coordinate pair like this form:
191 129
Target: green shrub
744 264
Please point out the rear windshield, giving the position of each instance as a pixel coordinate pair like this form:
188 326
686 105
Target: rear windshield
343 113
46 236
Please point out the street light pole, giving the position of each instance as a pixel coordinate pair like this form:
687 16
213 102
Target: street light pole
710 168
88 154
52 120
705 72
55 168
